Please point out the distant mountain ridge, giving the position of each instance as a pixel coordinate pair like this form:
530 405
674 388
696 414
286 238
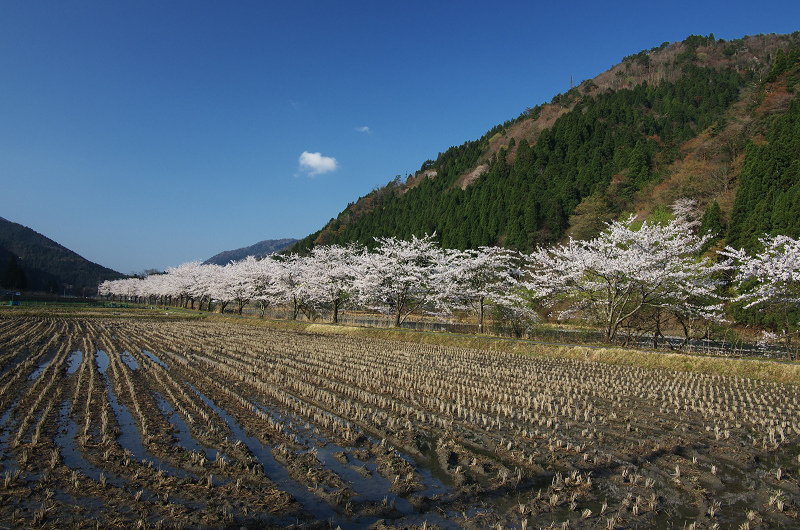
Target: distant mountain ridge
47 265
259 250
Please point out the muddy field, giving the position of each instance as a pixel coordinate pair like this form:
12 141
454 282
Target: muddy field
147 422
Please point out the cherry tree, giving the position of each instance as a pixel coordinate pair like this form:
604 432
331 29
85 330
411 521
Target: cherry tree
687 210
152 287
210 287
399 277
108 288
626 269
172 287
287 283
474 279
235 284
329 275
188 282
105 288
770 278
123 288
130 288
261 274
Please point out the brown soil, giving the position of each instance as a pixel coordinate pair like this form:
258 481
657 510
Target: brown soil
265 428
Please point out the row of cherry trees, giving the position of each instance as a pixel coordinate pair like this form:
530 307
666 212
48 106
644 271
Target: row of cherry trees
397 278
634 275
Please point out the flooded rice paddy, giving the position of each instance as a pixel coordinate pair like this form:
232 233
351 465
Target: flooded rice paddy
147 422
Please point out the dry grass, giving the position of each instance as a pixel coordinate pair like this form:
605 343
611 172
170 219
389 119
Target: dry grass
764 370
761 369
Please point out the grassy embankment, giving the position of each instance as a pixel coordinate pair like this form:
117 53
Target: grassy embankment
762 369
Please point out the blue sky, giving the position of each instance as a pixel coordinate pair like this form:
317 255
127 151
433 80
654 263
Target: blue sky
150 133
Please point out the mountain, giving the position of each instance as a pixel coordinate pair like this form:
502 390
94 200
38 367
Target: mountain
707 119
260 249
48 266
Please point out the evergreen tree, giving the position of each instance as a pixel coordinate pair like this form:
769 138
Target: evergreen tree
767 200
639 165
711 223
14 276
51 287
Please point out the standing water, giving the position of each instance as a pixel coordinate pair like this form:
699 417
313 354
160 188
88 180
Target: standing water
74 362
130 438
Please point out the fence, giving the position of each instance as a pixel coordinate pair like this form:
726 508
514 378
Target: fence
560 336
376 321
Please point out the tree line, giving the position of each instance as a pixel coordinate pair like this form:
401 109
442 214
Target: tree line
637 275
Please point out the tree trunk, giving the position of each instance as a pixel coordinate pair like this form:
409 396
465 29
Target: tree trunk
609 330
480 316
686 336
659 332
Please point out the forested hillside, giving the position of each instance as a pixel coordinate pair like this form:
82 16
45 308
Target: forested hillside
707 119
46 265
768 200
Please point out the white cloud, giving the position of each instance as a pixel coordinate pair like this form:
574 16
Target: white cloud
364 129
316 164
